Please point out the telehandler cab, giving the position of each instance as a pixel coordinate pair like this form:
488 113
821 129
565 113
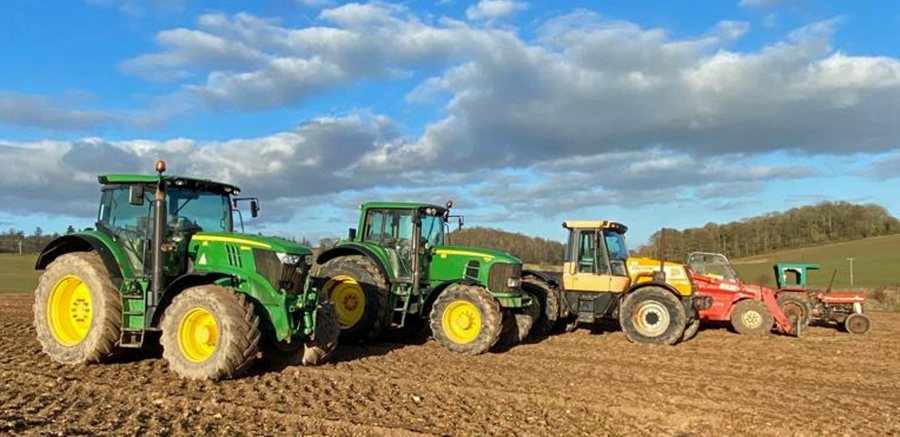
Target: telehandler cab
164 258
399 271
653 301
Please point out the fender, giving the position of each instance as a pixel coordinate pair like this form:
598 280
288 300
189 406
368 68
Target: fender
354 249
84 242
440 289
687 302
544 276
180 284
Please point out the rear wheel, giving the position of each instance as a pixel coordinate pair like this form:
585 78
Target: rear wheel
465 319
360 294
857 323
518 325
548 299
751 317
652 315
77 310
210 332
795 308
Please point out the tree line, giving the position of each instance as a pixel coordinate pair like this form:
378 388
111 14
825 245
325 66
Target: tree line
529 249
822 223
16 241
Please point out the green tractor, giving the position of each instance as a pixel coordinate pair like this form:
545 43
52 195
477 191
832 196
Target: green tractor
399 273
165 263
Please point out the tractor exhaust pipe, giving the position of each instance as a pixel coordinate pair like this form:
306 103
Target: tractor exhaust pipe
159 233
660 276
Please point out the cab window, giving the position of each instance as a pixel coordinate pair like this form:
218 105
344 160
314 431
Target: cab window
374 226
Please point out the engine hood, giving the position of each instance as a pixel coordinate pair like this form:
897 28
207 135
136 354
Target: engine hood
274 244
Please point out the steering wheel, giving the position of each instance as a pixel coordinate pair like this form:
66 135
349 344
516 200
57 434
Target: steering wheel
181 224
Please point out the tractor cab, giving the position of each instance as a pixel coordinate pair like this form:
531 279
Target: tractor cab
402 230
793 275
713 265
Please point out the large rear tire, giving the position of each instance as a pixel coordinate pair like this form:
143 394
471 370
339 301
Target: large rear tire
795 307
466 319
652 315
518 325
751 317
360 294
77 310
210 332
548 298
321 345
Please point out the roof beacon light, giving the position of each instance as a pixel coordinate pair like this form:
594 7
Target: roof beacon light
160 166
449 204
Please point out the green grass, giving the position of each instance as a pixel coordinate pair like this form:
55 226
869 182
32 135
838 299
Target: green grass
17 273
876 263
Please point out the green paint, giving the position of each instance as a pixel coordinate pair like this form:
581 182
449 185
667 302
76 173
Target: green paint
289 314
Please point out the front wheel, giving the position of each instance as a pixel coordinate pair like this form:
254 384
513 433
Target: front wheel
857 323
518 325
210 332
465 319
321 345
751 317
691 330
652 315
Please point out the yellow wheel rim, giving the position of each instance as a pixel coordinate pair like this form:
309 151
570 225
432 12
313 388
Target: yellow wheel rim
198 335
349 300
69 310
461 321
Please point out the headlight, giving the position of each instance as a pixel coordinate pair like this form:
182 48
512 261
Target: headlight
289 258
513 282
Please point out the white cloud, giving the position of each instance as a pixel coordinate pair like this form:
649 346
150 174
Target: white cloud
43 112
493 9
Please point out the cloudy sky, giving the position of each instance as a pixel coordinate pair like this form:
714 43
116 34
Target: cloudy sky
525 113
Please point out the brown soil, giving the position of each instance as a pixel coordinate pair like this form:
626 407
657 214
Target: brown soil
583 383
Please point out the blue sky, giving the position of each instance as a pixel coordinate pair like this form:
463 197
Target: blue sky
526 113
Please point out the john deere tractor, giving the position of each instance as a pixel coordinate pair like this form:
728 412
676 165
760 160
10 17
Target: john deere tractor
398 272
164 262
654 302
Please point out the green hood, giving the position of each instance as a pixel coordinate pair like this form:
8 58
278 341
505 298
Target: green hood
487 255
275 244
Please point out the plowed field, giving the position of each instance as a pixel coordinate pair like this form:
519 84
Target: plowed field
583 383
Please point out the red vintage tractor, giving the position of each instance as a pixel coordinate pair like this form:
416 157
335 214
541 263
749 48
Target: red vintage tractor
844 308
751 309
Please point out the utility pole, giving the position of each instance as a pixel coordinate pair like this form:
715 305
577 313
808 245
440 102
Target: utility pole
20 247
851 270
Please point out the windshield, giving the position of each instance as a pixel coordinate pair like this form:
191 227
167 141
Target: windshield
615 245
712 264
200 210
433 230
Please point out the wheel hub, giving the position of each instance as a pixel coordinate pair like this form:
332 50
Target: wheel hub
461 321
69 310
198 335
349 300
651 319
751 319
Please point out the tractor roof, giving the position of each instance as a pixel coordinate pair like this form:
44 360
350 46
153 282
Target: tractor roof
595 224
400 205
177 181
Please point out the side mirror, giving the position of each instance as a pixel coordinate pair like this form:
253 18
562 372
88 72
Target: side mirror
136 195
351 234
254 208
461 222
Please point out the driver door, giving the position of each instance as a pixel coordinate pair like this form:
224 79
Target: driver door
588 269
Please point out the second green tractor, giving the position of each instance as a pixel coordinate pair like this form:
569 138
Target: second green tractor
398 273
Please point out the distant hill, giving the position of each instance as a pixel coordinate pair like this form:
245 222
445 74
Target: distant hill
876 263
529 249
795 228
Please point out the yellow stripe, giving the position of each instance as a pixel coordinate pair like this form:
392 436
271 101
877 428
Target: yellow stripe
444 253
240 241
